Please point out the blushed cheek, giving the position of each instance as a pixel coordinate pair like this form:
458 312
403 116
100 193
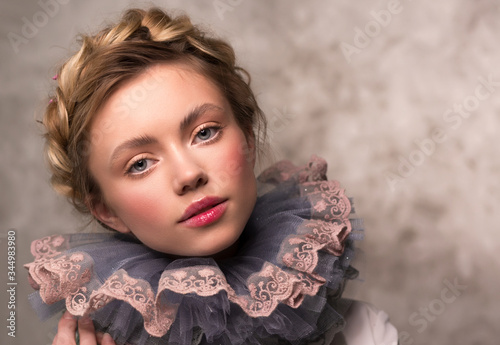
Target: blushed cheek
140 209
241 156
234 164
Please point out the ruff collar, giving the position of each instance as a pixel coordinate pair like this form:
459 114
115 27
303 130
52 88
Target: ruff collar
295 252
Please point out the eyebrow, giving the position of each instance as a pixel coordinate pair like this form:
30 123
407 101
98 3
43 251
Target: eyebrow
145 140
196 113
132 144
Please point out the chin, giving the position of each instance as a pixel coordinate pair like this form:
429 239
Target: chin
222 250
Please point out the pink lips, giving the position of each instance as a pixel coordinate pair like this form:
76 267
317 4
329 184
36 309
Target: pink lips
204 212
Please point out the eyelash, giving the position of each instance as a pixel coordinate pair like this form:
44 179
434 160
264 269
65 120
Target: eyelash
216 136
138 174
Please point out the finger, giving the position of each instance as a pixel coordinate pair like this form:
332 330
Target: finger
86 331
66 329
107 340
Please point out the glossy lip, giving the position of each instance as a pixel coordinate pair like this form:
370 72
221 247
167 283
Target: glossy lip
204 212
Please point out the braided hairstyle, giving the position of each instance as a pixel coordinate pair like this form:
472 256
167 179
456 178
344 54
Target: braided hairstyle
116 54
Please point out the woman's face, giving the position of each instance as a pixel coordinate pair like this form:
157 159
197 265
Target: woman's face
173 166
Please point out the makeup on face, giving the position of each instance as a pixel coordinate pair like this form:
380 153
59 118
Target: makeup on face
204 212
175 170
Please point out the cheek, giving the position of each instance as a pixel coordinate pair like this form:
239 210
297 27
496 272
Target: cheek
234 162
238 153
138 205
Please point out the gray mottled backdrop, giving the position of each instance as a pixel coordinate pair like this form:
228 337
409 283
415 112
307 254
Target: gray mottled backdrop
401 97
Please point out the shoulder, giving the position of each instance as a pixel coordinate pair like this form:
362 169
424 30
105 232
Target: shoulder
368 325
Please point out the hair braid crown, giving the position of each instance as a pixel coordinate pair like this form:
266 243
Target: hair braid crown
117 53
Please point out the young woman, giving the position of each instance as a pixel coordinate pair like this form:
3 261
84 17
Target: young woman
154 131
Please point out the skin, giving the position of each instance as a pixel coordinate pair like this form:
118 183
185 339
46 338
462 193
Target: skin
147 188
67 327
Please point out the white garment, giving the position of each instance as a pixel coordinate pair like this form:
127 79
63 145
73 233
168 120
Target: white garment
367 325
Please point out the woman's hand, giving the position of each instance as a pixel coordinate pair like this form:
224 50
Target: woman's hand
66 331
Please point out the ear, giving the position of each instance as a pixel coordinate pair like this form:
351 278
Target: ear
251 148
106 216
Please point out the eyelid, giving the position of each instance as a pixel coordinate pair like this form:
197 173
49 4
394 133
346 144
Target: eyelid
131 163
215 126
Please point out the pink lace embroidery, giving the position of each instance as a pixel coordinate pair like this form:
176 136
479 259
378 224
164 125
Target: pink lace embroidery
57 277
328 200
158 317
47 247
268 288
327 231
202 280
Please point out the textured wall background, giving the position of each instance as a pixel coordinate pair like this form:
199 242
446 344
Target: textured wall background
401 97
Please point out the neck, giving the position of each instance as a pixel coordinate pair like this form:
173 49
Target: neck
222 255
226 253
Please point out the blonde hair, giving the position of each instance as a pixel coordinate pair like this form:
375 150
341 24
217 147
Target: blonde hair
116 54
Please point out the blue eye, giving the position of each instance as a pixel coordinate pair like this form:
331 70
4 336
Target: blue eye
139 166
208 134
204 134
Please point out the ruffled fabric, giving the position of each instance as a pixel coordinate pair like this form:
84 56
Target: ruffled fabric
294 254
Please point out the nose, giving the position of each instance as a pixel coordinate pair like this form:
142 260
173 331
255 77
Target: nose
188 174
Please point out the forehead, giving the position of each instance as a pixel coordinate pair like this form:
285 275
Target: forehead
159 87
175 78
